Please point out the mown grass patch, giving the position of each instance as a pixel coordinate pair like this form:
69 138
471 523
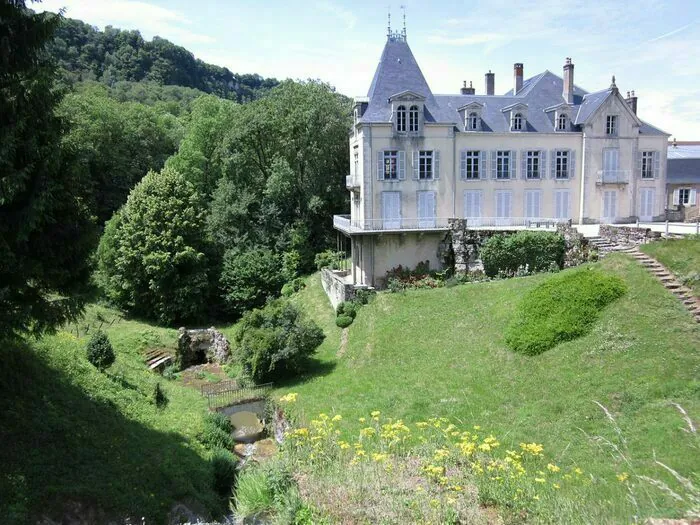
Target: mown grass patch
681 256
561 309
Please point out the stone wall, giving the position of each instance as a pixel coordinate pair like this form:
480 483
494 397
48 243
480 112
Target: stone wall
201 345
336 288
627 235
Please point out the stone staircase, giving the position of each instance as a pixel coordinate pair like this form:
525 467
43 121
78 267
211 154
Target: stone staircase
605 247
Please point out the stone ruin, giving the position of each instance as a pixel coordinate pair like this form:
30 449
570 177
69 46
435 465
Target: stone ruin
205 345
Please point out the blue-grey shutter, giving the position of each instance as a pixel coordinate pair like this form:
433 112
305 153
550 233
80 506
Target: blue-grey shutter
416 165
657 164
553 164
402 165
513 163
436 165
523 164
543 164
572 163
494 164
463 165
640 163
380 165
482 165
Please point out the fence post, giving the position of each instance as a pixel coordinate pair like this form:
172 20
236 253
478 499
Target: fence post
697 226
667 228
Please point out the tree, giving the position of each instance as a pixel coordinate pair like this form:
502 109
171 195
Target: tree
46 229
99 351
152 259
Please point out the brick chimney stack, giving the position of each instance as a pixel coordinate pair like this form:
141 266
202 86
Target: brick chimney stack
518 77
568 91
490 83
464 90
632 101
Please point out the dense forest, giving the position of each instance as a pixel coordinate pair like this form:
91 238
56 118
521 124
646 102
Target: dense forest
114 55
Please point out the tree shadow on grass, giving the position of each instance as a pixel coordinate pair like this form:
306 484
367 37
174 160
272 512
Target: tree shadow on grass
313 368
60 448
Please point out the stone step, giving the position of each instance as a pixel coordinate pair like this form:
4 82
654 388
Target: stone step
671 285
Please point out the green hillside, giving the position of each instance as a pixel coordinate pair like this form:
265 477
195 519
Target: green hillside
441 353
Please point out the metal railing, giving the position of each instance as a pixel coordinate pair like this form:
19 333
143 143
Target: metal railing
231 394
346 224
613 176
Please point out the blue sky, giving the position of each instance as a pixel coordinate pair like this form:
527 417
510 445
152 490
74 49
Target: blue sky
651 46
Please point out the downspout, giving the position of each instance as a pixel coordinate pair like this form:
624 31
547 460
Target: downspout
454 175
583 179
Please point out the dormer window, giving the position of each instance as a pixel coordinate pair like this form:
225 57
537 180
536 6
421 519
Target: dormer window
517 122
561 122
472 121
401 119
413 119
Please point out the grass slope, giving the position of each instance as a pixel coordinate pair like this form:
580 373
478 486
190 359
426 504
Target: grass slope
442 353
681 256
72 435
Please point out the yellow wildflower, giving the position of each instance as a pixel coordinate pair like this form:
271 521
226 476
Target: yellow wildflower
375 413
477 427
337 418
623 477
362 420
552 467
556 485
539 480
289 398
578 471
536 497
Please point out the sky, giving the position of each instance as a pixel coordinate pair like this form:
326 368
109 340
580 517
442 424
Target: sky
651 46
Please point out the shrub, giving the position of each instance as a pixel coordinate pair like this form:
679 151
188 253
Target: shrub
159 397
291 262
293 286
363 296
329 259
401 278
343 321
99 351
217 431
535 251
224 464
347 308
276 341
561 309
249 277
170 372
264 488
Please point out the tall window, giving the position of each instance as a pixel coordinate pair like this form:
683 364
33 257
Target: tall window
647 164
533 165
503 164
357 163
561 123
425 165
684 196
517 124
391 165
472 121
611 125
561 165
503 204
401 118
611 162
472 167
413 118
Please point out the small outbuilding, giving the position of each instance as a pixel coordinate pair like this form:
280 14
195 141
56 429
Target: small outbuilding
683 181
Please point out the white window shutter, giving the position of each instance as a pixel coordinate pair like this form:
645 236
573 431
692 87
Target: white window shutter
380 165
402 165
676 197
436 165
416 165
513 164
572 163
693 197
657 164
543 164
421 204
640 163
494 165
523 164
463 164
553 164
482 165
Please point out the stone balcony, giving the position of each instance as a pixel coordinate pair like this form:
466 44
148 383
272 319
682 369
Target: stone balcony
613 176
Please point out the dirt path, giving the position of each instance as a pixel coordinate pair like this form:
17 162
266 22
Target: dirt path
343 343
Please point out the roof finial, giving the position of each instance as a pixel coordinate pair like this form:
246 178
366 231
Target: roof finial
403 8
613 85
388 25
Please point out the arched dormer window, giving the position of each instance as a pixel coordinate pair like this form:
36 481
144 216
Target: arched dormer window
401 118
561 122
413 118
517 124
473 121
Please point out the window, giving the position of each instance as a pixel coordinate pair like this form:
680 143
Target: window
561 122
391 210
425 165
562 204
647 164
426 209
391 165
357 163
473 122
517 123
561 165
684 196
611 125
472 165
533 201
401 119
611 162
503 164
503 204
533 165
472 205
609 206
413 118
646 204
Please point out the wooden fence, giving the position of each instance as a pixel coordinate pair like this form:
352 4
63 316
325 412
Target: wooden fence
227 393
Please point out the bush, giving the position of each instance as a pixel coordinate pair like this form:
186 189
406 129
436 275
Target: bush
347 308
224 465
249 277
533 251
275 342
99 351
170 372
159 397
343 321
264 488
329 259
561 309
363 296
293 286
217 431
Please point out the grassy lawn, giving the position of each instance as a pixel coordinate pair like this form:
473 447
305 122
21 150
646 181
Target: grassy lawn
70 434
434 353
681 256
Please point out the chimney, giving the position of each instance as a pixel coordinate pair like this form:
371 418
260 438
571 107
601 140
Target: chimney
632 101
568 92
518 77
490 82
468 90
464 89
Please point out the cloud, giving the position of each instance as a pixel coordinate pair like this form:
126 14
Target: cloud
344 15
150 19
671 33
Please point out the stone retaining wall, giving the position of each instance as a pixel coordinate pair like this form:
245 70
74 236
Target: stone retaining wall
627 235
336 288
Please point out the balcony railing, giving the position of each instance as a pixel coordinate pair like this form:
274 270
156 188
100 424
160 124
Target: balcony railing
352 182
345 224
613 176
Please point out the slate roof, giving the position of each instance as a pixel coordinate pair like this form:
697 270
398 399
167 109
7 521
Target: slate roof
683 171
684 151
398 71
